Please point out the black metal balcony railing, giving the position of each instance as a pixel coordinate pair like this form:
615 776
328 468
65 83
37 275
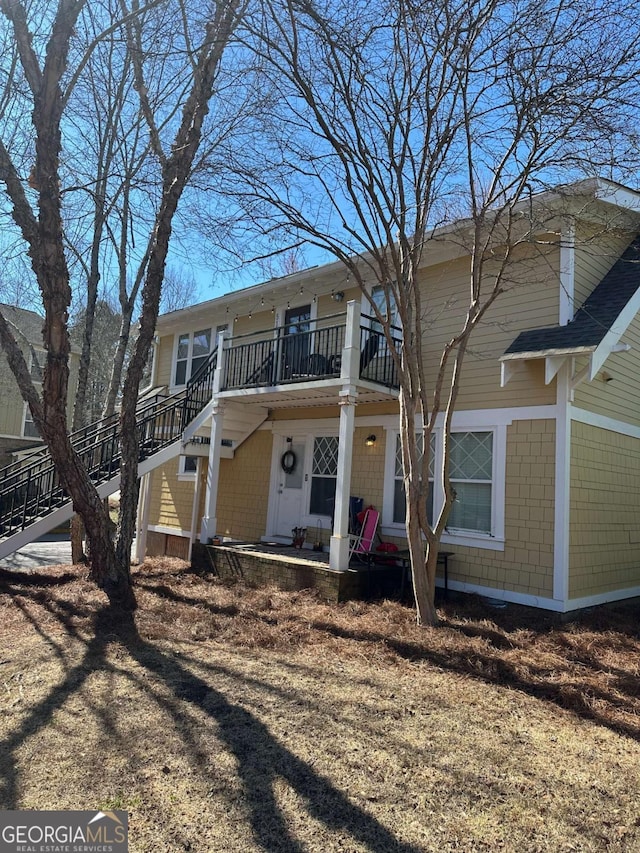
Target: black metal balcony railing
270 359
31 488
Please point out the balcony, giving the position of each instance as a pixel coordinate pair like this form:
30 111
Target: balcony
311 365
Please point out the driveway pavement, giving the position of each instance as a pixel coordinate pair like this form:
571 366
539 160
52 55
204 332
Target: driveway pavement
50 550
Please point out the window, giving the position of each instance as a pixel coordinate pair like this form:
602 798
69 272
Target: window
477 472
192 352
188 467
399 503
379 297
324 472
471 474
29 429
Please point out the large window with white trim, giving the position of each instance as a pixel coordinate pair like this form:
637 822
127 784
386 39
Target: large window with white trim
192 351
36 367
471 475
477 473
390 311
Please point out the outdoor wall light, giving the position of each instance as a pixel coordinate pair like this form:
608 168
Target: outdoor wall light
370 440
338 296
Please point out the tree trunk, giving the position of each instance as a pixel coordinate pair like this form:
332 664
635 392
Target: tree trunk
77 535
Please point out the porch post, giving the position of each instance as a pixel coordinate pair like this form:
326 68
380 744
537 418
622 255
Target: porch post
209 520
339 545
144 505
350 369
195 504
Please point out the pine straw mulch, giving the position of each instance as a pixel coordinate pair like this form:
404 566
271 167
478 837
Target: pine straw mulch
239 719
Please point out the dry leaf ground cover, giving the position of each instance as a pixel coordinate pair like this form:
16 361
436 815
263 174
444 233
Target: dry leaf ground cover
234 719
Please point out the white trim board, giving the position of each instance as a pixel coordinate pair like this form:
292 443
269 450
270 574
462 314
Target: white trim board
463 418
603 598
562 503
170 531
583 416
544 603
523 598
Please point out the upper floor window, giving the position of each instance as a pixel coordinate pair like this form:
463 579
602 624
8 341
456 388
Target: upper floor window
29 429
192 352
389 311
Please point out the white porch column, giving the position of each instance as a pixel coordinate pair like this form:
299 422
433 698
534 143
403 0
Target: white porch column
209 520
350 369
195 504
339 545
142 523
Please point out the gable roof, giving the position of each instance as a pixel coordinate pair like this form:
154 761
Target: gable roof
595 318
28 322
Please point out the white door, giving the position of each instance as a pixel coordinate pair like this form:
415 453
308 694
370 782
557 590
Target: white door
290 490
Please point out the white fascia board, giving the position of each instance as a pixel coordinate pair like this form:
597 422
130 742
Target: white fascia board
610 341
545 353
617 195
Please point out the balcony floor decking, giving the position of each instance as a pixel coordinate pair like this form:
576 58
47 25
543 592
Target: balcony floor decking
309 391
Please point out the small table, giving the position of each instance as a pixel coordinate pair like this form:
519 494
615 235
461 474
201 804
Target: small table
404 558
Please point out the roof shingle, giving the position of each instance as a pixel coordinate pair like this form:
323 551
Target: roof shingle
596 316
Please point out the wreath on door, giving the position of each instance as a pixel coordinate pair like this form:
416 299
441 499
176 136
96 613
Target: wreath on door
288 462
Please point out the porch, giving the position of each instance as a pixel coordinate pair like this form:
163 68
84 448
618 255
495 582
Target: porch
291 569
340 360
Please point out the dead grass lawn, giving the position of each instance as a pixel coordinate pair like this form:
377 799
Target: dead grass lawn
245 720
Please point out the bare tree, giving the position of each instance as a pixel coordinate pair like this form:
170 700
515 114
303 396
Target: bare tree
51 61
395 117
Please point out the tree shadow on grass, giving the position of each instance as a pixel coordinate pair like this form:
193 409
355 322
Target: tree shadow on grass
576 679
261 760
9 579
41 714
572 692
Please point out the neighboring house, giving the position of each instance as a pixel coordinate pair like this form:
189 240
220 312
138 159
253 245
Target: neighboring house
17 430
546 434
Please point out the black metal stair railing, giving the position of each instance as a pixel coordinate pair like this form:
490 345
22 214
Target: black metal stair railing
30 487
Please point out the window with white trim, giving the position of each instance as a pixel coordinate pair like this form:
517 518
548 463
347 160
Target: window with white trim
188 468
30 430
192 351
379 298
37 358
399 501
324 473
477 471
471 475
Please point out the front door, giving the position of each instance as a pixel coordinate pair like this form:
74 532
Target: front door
290 488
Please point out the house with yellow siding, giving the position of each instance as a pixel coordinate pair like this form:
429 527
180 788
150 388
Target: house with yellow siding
301 412
18 433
